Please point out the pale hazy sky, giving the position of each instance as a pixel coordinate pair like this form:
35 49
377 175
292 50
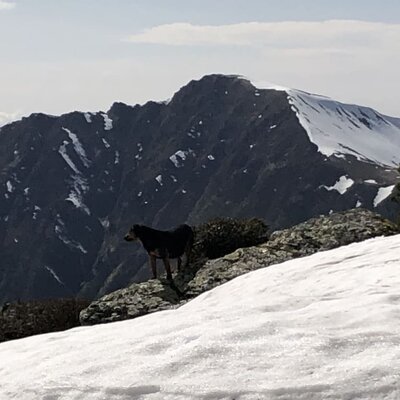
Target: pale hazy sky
64 55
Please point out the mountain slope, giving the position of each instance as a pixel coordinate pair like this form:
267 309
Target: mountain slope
71 186
341 129
319 327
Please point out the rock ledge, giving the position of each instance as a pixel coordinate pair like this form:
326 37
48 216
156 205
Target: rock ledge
317 234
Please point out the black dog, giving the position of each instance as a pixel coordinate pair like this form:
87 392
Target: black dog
163 244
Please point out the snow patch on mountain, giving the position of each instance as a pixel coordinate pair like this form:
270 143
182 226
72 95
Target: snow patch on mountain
339 129
178 157
394 120
116 157
79 188
342 185
108 122
138 156
383 193
105 222
259 85
318 327
106 144
63 152
159 180
80 151
78 181
60 231
54 275
36 210
10 187
88 117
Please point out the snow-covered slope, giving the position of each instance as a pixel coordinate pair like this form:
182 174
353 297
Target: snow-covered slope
339 129
321 327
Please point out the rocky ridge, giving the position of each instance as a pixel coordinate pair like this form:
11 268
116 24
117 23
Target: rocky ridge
317 234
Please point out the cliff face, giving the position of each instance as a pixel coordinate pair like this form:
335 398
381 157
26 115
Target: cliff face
71 186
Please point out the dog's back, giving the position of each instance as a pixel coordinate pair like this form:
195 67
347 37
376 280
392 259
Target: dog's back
164 245
180 240
172 244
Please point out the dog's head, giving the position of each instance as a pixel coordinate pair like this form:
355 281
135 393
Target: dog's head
133 233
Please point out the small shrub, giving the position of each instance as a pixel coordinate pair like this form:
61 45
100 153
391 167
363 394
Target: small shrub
19 320
221 236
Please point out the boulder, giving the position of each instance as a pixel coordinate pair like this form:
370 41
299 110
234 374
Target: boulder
136 300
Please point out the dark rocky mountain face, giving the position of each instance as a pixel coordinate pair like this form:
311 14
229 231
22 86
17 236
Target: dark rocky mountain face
71 186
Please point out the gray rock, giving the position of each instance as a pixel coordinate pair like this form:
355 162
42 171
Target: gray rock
317 234
131 302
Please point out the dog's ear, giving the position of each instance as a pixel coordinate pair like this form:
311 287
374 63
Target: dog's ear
136 228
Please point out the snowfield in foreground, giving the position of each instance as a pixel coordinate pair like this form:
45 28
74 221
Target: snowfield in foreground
321 327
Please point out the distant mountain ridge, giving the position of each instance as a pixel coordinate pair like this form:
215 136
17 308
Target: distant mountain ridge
343 129
72 185
339 129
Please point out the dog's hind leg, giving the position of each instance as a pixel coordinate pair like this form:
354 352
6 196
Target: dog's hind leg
179 263
188 251
153 265
167 268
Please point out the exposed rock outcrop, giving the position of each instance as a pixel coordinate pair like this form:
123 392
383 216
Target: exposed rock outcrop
317 234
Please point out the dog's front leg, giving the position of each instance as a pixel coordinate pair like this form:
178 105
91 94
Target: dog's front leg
167 268
153 265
